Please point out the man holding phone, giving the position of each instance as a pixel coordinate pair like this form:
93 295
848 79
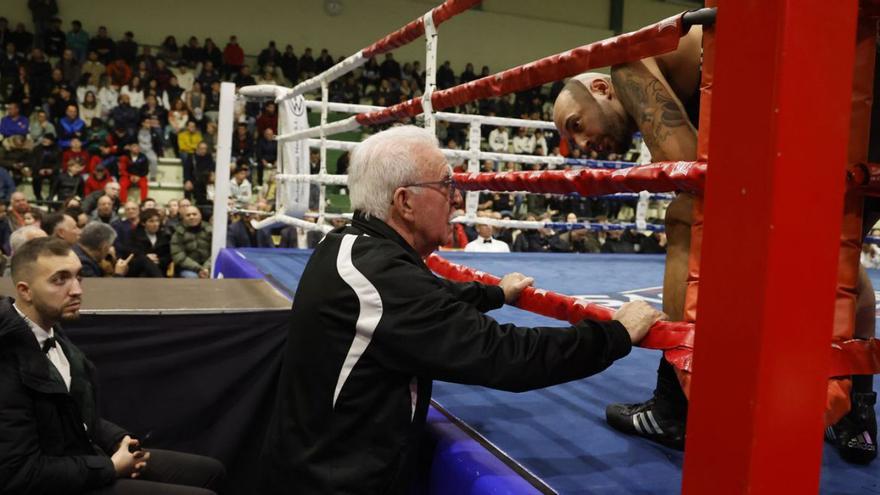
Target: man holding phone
52 439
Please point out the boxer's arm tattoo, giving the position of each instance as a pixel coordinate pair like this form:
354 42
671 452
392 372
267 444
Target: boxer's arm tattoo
656 112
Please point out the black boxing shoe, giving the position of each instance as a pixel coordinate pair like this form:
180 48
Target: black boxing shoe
855 435
648 421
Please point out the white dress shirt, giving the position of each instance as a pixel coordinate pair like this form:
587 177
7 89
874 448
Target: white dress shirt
490 245
55 354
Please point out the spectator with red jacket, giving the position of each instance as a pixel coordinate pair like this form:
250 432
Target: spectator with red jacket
75 152
98 178
133 169
233 56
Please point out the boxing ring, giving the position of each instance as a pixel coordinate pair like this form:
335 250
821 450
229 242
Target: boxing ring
558 434
765 367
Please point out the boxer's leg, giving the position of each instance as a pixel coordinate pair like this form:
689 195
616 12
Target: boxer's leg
855 435
663 417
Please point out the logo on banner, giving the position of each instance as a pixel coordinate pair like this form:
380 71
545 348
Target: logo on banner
298 106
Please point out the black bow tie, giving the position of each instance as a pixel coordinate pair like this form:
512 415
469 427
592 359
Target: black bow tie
487 241
49 344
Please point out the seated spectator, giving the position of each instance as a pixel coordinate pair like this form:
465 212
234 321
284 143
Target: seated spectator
105 212
191 245
150 140
242 142
127 49
74 152
7 185
94 68
499 140
14 124
111 189
169 50
267 154
192 53
96 136
242 234
5 232
485 242
268 118
95 252
133 169
240 188
523 143
173 89
63 226
103 45
41 126
120 142
23 235
209 75
233 56
108 96
69 183
78 40
195 102
134 89
533 240
198 171
575 241
119 72
125 228
618 242
124 116
15 157
172 215
98 178
45 164
151 246
19 206
188 140
652 243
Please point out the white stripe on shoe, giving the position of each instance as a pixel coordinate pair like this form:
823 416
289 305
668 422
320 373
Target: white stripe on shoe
654 422
636 423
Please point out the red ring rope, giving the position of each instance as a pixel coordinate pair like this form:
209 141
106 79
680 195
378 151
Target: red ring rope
416 28
656 39
676 339
655 177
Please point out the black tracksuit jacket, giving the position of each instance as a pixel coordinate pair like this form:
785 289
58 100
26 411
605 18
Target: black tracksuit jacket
371 327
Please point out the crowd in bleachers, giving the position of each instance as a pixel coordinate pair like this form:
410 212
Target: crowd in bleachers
84 113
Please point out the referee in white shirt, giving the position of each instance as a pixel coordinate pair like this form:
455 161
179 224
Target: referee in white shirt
485 243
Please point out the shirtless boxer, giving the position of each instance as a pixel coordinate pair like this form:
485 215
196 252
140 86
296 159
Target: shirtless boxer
659 96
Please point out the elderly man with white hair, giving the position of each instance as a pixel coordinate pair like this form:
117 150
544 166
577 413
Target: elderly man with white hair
372 327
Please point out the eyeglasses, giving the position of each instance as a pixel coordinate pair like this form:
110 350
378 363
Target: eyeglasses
448 183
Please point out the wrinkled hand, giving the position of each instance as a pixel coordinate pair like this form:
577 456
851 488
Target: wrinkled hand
126 463
637 317
513 284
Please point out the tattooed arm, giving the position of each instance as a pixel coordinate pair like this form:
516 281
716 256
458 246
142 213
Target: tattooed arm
659 114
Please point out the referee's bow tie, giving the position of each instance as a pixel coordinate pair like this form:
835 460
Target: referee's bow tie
49 344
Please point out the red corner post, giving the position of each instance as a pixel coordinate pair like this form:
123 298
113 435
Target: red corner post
780 130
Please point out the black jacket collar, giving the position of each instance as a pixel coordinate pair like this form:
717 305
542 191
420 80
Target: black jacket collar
374 227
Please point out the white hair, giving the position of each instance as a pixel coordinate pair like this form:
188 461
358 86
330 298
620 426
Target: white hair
24 234
382 163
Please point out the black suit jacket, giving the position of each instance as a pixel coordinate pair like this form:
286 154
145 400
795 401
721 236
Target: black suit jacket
51 440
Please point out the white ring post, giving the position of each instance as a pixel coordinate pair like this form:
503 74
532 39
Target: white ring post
472 201
430 71
221 169
322 198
